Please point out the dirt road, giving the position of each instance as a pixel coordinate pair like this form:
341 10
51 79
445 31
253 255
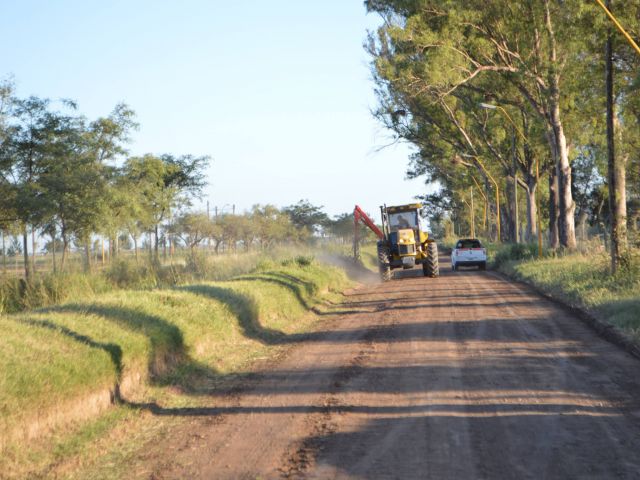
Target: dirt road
466 376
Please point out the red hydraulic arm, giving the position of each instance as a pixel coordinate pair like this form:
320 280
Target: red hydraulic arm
360 216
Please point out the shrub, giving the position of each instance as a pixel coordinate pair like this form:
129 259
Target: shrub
304 261
197 264
129 273
515 252
48 289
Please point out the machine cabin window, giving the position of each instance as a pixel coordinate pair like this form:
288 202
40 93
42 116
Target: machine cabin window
402 220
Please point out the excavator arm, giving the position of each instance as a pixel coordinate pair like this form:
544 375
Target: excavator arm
360 216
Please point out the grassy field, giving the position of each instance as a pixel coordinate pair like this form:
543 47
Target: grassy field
146 345
584 281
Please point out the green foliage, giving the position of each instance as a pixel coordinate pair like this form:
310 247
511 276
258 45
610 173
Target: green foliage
270 225
307 217
300 261
515 252
479 88
192 228
165 183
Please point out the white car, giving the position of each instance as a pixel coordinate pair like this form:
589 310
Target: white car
468 252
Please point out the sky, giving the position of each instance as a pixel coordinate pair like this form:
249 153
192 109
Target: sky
277 92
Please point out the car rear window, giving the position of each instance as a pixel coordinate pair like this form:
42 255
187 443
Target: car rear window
469 244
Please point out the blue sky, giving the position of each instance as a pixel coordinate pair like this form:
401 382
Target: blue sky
277 92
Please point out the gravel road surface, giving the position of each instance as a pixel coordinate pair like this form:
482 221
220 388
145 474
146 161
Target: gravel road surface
466 376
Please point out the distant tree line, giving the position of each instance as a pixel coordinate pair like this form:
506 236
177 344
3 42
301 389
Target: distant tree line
262 227
71 180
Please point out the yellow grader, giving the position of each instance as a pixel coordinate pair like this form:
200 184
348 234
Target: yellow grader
402 242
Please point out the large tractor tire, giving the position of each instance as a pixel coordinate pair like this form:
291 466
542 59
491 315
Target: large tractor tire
430 268
383 262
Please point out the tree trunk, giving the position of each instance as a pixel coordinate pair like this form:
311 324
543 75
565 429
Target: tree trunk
87 256
156 247
53 252
583 216
616 172
135 246
566 206
33 249
65 247
532 208
25 248
514 207
164 247
554 239
506 224
509 212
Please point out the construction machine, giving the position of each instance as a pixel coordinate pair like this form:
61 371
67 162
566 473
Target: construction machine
402 242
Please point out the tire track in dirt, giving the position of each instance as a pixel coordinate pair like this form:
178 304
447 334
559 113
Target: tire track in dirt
322 424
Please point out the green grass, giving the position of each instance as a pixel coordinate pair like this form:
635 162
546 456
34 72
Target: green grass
47 288
176 339
585 281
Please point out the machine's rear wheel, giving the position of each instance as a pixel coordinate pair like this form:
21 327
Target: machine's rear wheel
431 268
383 262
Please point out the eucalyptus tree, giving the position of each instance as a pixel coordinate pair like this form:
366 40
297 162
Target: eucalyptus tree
532 46
621 63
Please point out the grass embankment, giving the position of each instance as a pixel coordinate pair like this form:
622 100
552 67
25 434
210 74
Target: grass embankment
65 361
582 280
47 288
